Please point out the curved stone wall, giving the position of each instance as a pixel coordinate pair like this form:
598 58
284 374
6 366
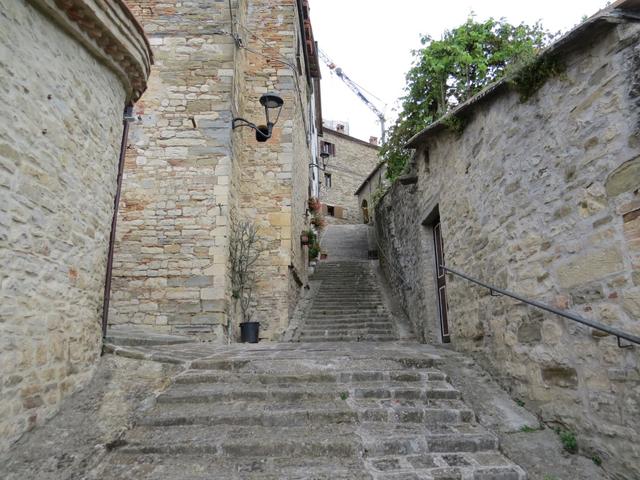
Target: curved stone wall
68 69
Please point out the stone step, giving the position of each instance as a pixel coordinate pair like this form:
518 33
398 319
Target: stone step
487 465
325 311
324 315
243 414
348 338
340 440
350 319
291 363
353 298
335 440
351 306
131 466
351 377
364 327
381 439
211 393
347 323
334 332
348 302
432 412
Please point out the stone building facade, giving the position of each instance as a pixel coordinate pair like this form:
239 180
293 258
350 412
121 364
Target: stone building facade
67 74
540 197
188 175
350 161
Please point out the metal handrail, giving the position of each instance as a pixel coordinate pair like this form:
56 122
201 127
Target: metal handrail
571 316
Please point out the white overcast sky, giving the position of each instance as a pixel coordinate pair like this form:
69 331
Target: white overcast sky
372 41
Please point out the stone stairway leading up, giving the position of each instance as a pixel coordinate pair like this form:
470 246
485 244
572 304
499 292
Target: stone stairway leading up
347 306
310 411
337 405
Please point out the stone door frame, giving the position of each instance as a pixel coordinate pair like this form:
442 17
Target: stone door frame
428 260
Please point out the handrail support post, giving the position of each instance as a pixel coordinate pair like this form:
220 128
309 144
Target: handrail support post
623 346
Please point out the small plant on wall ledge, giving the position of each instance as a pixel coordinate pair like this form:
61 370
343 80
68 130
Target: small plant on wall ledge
314 205
244 251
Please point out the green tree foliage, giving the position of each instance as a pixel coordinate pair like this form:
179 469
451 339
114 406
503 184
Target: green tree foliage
447 72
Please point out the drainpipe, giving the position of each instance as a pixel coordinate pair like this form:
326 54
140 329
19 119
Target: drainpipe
112 238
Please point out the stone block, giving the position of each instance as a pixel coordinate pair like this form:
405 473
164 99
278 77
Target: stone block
624 178
216 293
587 294
280 219
560 376
589 267
631 303
529 332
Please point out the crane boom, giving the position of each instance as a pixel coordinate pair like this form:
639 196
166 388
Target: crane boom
355 89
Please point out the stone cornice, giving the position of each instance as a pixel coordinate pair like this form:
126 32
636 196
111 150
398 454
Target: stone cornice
110 32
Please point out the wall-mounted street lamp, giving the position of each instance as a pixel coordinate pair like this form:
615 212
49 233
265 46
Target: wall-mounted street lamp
270 101
324 156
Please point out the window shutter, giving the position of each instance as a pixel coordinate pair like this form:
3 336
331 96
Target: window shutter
339 212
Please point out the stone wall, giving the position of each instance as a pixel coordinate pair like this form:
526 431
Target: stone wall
541 198
274 175
63 96
171 253
189 175
353 161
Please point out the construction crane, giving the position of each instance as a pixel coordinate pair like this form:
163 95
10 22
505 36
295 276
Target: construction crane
353 86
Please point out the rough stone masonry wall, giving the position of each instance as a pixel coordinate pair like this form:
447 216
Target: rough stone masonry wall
540 198
273 189
60 134
170 266
353 162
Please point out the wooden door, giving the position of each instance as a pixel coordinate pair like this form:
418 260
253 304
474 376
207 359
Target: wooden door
441 283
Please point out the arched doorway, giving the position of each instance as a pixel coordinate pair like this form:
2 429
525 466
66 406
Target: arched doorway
365 211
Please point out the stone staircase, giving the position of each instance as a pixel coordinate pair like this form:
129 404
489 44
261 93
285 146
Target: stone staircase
347 307
310 411
356 406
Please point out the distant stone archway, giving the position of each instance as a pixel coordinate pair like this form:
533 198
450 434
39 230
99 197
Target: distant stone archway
365 211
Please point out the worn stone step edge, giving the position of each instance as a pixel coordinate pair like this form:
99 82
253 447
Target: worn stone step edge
203 376
234 365
345 338
284 418
284 394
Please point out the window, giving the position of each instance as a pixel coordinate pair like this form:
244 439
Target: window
327 147
331 210
327 180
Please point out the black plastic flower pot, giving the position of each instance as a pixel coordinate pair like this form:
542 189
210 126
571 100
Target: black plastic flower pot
250 332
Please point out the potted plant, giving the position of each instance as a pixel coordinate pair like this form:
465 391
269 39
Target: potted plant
314 245
318 221
244 245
